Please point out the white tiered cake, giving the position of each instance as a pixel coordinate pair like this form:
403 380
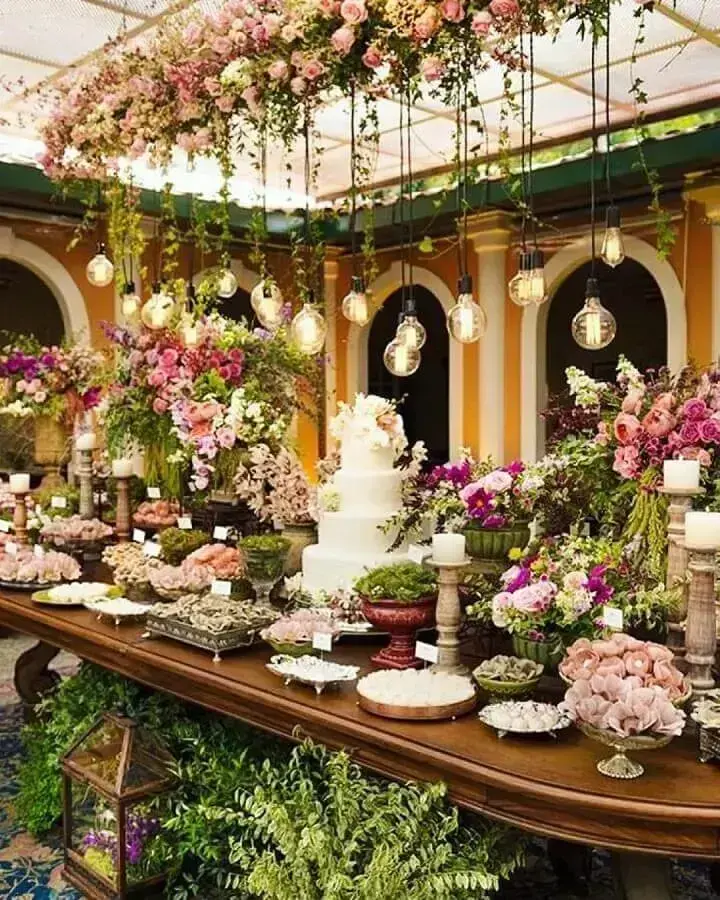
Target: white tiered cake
368 492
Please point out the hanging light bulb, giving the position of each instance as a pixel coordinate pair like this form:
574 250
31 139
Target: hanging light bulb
537 288
519 284
227 283
100 270
267 300
189 331
130 302
355 305
613 248
466 321
308 330
594 327
157 313
401 359
411 330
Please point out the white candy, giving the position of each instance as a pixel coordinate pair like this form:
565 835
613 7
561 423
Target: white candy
415 688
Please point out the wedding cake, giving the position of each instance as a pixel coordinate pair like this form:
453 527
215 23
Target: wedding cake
362 494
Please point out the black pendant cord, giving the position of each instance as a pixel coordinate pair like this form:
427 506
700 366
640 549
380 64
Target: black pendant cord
466 167
459 186
353 182
523 185
593 155
402 204
263 176
607 105
531 193
309 262
410 197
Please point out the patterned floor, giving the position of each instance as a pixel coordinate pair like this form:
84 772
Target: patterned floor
30 869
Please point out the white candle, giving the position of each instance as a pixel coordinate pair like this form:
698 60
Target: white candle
122 468
20 483
448 548
86 441
702 530
681 474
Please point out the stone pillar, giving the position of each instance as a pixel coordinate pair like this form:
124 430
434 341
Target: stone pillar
489 234
332 302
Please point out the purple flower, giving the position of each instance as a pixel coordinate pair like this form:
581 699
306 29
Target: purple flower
494 520
695 410
515 468
457 474
519 578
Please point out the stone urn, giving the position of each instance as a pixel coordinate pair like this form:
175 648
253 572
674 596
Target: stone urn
494 544
402 621
51 449
300 537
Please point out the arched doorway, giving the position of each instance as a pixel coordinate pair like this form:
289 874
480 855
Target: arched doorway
634 297
27 305
425 395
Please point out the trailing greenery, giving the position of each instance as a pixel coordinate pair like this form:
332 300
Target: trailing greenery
254 817
403 582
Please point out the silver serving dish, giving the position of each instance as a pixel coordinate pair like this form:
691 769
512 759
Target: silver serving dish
498 716
217 643
310 670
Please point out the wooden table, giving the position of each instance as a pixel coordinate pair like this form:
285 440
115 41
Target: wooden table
550 788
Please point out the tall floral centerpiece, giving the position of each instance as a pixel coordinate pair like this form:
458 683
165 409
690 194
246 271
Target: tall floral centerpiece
52 386
198 410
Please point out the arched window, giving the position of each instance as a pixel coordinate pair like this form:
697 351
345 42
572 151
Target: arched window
424 395
27 305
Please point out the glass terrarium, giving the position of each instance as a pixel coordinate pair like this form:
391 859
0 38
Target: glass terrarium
112 780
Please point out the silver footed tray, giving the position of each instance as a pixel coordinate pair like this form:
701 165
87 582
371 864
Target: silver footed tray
317 673
524 717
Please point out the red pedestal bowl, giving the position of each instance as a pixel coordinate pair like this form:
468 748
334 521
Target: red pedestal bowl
401 621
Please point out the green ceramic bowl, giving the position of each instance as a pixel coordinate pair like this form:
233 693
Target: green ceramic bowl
506 689
293 649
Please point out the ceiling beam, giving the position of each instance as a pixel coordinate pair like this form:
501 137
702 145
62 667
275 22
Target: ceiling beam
118 7
24 57
697 28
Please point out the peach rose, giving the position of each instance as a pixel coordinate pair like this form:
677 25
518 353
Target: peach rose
659 422
427 23
626 428
342 40
632 403
637 662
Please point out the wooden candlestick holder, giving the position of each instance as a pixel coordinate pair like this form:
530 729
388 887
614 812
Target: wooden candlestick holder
700 629
677 561
448 617
20 518
85 477
123 516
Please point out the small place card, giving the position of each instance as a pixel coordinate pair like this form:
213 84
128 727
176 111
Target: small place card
418 554
221 588
38 551
221 532
151 548
185 522
138 535
154 493
613 618
5 526
322 640
428 652
11 547
57 502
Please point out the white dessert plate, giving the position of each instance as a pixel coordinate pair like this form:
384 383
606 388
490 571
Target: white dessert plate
75 593
515 717
117 608
317 673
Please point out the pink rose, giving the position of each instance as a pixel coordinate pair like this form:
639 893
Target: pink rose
342 40
690 433
225 437
298 86
213 86
160 406
664 401
225 103
353 11
313 69
168 358
222 45
481 23
626 428
698 453
710 431
504 8
696 410
157 378
632 404
637 662
279 70
372 57
432 69
192 34
427 23
328 8
251 96
659 422
452 10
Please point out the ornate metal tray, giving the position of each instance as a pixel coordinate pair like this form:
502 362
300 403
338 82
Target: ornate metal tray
29 586
203 640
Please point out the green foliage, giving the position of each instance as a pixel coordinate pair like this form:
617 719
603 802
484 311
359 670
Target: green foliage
404 582
44 497
265 544
177 543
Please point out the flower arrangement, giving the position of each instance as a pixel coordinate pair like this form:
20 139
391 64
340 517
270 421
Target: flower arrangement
201 407
298 627
26 568
275 487
101 844
179 543
405 582
615 691
52 381
373 420
557 591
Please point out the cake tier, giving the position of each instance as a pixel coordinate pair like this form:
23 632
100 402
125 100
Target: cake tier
357 455
368 492
330 570
347 531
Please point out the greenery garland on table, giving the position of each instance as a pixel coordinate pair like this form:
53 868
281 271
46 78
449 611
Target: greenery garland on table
256 817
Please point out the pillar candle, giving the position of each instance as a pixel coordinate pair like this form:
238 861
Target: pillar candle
20 483
448 548
681 474
86 441
122 468
702 531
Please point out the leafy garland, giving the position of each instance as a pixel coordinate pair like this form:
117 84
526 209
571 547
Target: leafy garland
253 817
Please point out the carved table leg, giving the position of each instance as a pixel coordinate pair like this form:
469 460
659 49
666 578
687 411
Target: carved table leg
572 864
32 676
641 877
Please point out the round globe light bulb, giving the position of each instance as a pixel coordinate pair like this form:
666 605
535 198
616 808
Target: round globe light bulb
519 284
594 327
411 332
400 359
227 283
130 303
467 321
355 305
189 332
266 300
537 287
308 330
613 246
157 313
100 270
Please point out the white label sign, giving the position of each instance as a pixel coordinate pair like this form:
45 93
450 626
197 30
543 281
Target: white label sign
221 532
613 618
4 526
39 551
151 548
154 493
428 652
418 553
138 535
58 502
221 588
185 522
11 547
322 640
